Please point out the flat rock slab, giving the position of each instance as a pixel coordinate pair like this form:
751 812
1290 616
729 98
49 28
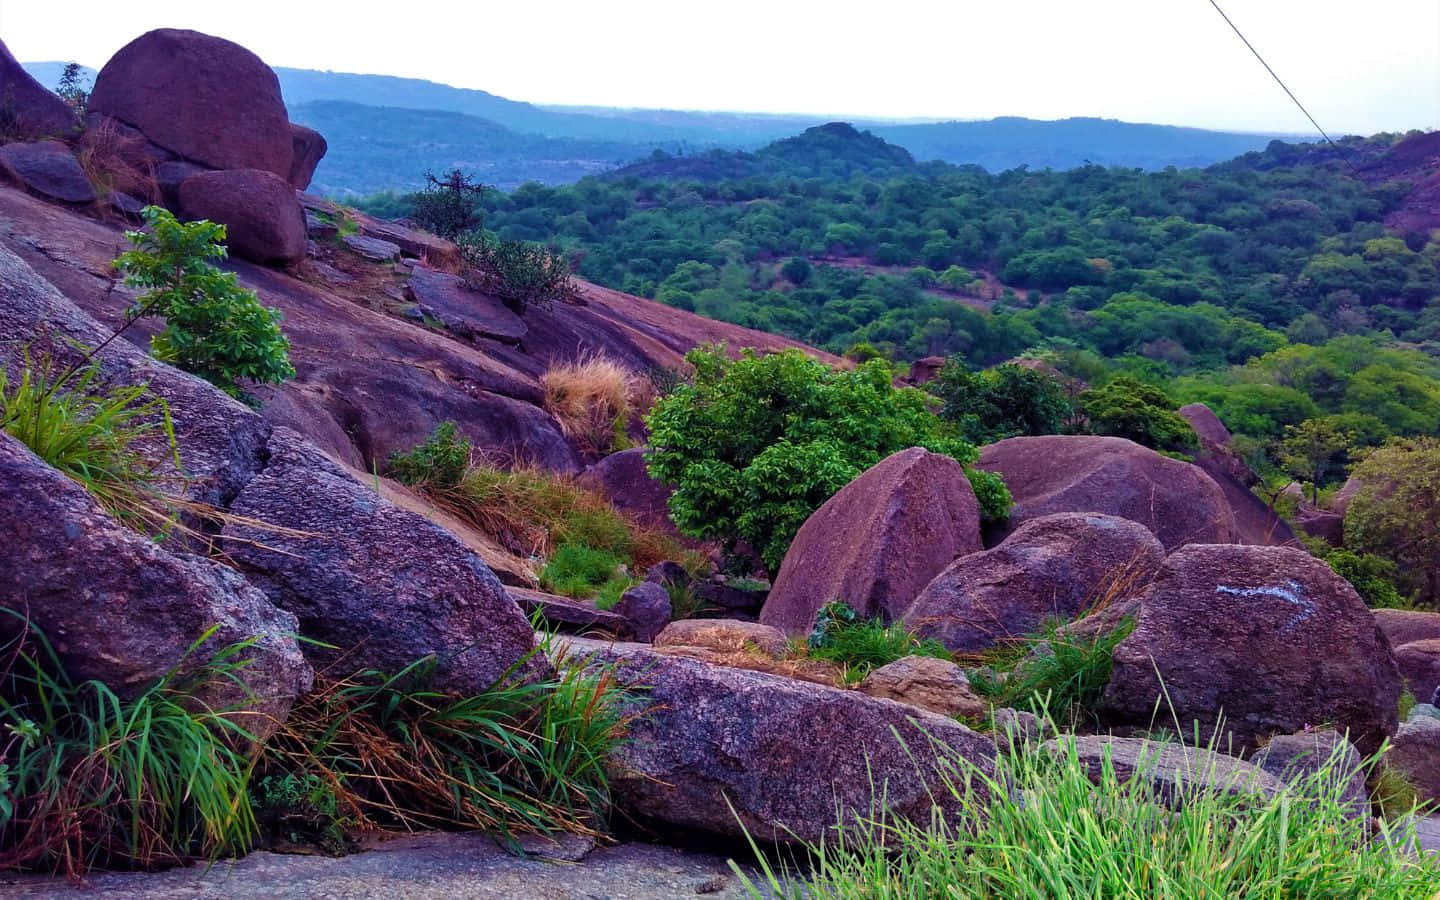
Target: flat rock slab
565 612
465 312
435 865
372 249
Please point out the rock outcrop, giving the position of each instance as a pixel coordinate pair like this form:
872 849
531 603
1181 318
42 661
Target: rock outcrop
934 684
1267 639
724 635
878 541
201 97
1063 473
47 169
1402 626
38 113
1415 752
1174 772
1419 663
262 219
119 608
1051 567
793 760
308 147
1255 523
623 480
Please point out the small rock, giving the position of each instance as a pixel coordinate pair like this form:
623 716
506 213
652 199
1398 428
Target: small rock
49 169
333 275
566 612
1424 710
124 204
465 312
724 635
1403 626
1415 752
1020 727
934 684
669 572
646 610
372 249
1295 757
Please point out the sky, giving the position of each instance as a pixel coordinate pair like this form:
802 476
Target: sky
1360 67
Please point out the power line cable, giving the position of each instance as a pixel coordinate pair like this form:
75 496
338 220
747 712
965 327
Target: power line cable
1289 93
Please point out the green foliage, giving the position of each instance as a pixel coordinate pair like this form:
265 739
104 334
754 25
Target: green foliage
1373 577
861 645
74 88
755 445
576 570
1129 408
449 206
439 462
299 810
521 274
89 779
1057 826
1002 402
93 435
213 327
1062 676
1309 451
1396 512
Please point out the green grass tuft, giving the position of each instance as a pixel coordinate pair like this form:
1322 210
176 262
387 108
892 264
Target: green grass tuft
862 645
576 570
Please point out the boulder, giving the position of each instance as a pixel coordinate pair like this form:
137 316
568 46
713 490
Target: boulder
202 97
38 113
263 221
1269 638
1294 758
47 169
1321 523
926 370
724 635
118 607
1206 424
172 173
469 314
878 541
934 684
565 613
308 147
792 759
1072 473
1415 753
1419 663
1255 522
1051 567
1402 626
1175 772
383 586
645 609
623 480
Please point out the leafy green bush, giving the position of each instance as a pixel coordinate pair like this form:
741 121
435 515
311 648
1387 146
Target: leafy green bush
755 445
93 435
1057 826
89 779
1373 577
521 274
861 645
439 462
1062 676
1002 402
213 327
449 206
1396 512
1129 408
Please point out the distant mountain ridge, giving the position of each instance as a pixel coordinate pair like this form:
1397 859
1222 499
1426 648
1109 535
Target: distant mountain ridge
385 131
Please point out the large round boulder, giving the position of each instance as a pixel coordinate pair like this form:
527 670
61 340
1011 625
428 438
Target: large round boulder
263 219
205 98
1074 473
36 111
1401 626
1053 567
1249 642
878 541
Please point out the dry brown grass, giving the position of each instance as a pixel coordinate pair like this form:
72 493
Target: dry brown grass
115 161
594 399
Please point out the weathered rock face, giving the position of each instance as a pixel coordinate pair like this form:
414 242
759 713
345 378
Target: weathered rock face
1206 424
725 635
1268 637
373 577
47 168
263 221
878 541
1419 663
1401 626
1175 772
793 759
1415 752
645 609
934 684
308 147
1255 523
38 113
467 313
119 608
202 97
1113 476
1294 758
1051 567
567 614
623 480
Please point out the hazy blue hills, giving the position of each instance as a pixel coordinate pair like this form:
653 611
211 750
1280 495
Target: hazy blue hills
385 131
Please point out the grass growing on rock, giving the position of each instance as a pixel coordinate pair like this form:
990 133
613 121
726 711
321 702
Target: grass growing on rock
861 645
594 399
1060 675
1049 830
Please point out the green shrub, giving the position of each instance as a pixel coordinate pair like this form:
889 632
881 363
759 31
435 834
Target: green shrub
439 462
1373 577
89 779
1129 408
755 445
300 810
213 327
449 206
1002 402
521 274
1062 676
576 570
1055 827
94 436
861 645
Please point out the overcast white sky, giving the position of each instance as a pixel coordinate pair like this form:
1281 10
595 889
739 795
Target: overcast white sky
1359 65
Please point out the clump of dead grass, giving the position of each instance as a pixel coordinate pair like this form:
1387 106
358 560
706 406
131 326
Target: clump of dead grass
594 399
